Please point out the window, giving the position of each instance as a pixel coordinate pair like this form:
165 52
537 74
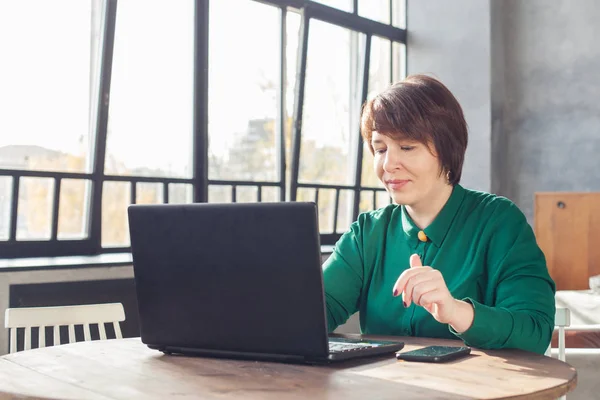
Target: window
131 102
49 78
150 117
47 74
329 122
151 95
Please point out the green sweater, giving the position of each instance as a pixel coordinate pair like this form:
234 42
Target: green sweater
486 252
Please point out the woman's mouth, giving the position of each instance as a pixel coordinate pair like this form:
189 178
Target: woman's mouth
396 184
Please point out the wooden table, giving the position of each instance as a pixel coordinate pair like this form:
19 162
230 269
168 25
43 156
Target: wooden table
127 369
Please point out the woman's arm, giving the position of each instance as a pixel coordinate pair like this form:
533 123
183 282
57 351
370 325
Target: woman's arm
343 278
522 313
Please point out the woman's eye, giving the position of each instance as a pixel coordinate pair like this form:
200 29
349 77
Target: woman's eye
407 148
379 151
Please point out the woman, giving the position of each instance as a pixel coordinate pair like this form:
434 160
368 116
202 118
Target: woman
442 261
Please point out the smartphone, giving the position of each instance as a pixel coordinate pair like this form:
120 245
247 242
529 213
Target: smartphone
436 354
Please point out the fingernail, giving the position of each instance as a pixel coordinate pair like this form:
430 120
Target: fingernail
395 292
405 305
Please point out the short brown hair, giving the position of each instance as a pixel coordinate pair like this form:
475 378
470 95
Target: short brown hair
420 108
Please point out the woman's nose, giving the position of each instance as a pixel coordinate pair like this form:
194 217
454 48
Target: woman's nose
392 160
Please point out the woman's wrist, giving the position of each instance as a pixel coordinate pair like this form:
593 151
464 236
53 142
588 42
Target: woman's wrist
464 314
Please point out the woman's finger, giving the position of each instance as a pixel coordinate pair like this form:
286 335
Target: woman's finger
423 288
404 277
408 295
437 296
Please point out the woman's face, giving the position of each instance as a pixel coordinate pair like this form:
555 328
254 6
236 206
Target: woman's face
409 170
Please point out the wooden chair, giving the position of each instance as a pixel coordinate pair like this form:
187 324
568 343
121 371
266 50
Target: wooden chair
567 229
42 317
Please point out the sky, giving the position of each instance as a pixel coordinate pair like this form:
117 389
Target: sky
45 75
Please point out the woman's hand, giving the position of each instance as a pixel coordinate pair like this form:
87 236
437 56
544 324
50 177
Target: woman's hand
426 287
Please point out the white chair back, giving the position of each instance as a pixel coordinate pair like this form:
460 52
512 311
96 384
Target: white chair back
562 319
42 317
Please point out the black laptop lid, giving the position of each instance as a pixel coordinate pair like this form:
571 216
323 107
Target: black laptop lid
237 277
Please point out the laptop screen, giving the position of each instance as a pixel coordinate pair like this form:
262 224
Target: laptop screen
236 277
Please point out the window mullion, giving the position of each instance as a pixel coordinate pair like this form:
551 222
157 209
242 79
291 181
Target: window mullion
200 130
299 103
101 122
359 148
282 114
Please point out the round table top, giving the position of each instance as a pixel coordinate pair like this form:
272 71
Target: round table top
127 369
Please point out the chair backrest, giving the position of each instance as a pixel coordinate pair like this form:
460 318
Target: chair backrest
566 229
42 317
562 319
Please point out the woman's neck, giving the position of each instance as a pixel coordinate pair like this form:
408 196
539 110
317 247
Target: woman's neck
424 212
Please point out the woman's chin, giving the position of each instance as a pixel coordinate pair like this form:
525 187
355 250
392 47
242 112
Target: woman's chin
399 199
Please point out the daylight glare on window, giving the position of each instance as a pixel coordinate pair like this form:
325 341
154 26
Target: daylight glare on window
243 87
48 61
150 114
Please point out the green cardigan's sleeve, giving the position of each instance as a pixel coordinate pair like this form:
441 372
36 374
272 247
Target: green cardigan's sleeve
343 278
521 313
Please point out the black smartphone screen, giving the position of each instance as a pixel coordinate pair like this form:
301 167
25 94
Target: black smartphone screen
434 354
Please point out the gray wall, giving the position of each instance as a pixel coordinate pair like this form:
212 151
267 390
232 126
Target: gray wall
552 109
451 41
527 73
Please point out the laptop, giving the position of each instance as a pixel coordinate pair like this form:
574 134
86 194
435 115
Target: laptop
240 280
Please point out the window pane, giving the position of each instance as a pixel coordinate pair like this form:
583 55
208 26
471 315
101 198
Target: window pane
219 194
346 206
399 61
367 197
34 211
380 66
366 201
244 76
246 194
149 193
270 194
73 209
151 102
116 197
48 62
331 105
181 193
345 5
377 10
5 201
305 194
399 13
326 209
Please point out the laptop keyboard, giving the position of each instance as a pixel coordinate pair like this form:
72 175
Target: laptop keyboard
343 347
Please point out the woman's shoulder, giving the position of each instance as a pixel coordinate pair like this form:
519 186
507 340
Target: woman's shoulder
377 219
379 215
490 204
